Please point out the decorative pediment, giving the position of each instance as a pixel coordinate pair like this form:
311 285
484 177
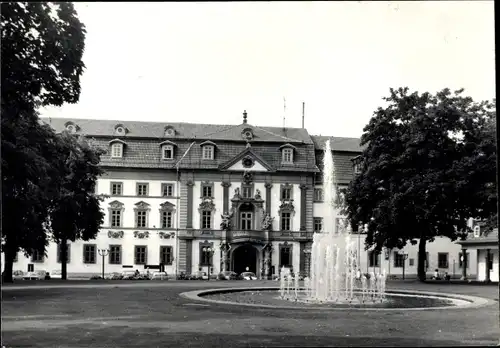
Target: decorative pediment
115 234
287 145
167 206
287 205
166 235
117 141
141 206
141 234
207 204
116 205
208 142
168 142
247 160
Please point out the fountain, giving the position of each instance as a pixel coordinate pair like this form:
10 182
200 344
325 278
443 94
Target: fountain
334 272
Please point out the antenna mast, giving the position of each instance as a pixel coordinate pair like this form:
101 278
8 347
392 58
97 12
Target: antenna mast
303 110
284 112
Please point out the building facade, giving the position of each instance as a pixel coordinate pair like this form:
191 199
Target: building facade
201 197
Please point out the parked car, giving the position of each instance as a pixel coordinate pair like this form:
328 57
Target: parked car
227 275
18 275
159 276
114 276
199 275
248 276
129 275
56 274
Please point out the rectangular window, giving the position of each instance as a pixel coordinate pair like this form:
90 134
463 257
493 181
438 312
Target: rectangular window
398 259
16 258
116 218
442 260
286 193
246 221
339 224
318 195
115 254
141 218
318 178
142 189
206 219
247 191
116 150
373 258
357 168
411 262
168 152
287 156
116 188
318 224
208 152
461 261
286 221
37 256
166 255
89 253
141 257
206 191
68 253
167 190
285 257
166 219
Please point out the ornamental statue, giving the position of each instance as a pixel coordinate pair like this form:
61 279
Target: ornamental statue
257 194
225 225
267 222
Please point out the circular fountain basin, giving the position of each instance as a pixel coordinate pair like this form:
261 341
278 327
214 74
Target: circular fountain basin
269 297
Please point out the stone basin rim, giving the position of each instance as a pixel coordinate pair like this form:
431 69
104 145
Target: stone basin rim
472 301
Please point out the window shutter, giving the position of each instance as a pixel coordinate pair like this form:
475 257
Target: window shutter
145 255
69 254
58 253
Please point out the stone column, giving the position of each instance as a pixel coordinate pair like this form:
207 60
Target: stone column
267 263
303 202
189 222
268 187
465 262
488 255
225 195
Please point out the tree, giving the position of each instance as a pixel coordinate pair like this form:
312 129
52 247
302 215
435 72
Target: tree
42 48
76 213
429 165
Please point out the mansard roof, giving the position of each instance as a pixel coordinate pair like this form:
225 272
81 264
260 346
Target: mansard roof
192 131
340 144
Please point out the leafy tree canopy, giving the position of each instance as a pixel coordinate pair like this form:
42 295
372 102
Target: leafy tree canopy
429 165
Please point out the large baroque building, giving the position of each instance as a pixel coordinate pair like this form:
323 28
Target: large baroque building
187 197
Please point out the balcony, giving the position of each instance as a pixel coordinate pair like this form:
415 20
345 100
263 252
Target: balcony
248 236
291 235
192 233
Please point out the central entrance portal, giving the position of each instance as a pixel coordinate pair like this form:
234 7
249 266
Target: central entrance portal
245 256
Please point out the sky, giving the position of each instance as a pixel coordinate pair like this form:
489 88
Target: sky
207 62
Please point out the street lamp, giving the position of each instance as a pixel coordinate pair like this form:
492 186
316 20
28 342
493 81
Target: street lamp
210 251
405 256
103 253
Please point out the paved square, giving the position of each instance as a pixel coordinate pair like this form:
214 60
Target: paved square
152 314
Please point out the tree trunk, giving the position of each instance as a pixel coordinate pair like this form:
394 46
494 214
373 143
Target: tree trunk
421 271
10 255
63 247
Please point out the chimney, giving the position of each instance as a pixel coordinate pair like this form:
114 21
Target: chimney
244 116
303 109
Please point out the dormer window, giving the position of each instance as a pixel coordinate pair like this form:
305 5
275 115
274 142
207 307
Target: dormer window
71 128
168 152
208 152
120 129
357 164
287 156
117 150
169 131
287 152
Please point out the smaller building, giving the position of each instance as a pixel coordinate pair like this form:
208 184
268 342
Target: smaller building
485 246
